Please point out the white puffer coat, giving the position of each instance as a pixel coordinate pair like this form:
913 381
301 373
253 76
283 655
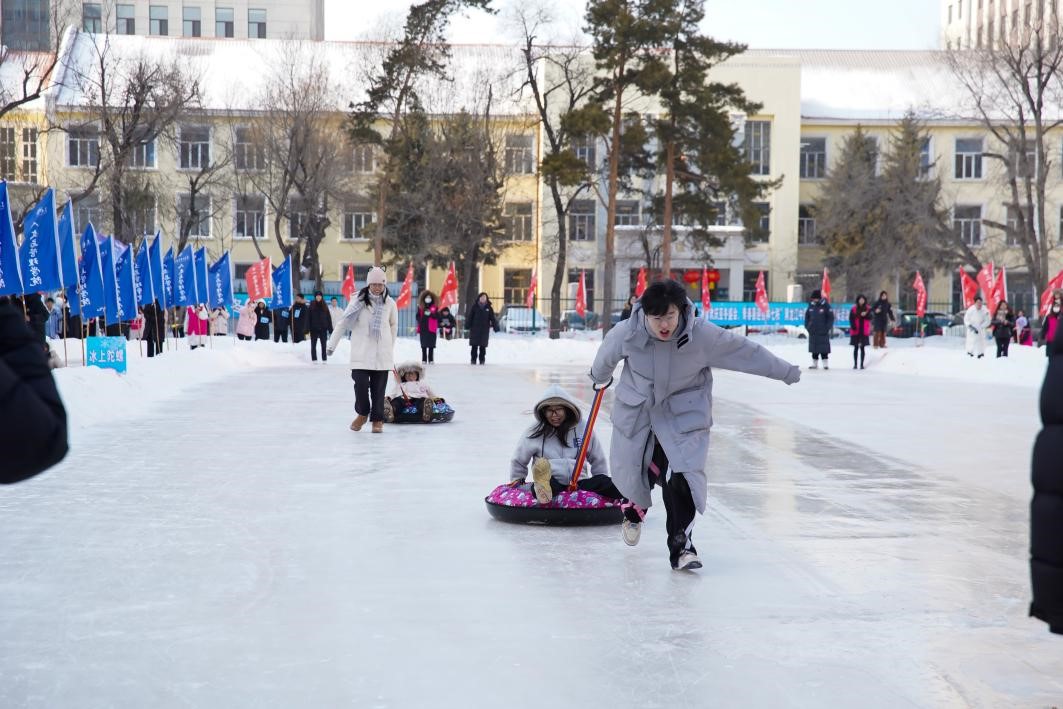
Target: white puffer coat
367 352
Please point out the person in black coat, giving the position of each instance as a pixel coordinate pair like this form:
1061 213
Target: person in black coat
262 321
37 314
881 315
1003 327
480 320
34 435
819 322
859 326
427 325
1046 509
319 321
281 324
447 323
299 318
154 327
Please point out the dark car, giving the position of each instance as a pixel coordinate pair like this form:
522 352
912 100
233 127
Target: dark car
909 325
571 320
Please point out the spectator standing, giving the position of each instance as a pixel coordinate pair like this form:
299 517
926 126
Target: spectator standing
819 322
1003 327
281 324
626 312
219 321
859 328
262 321
197 325
1022 329
335 312
427 325
881 317
480 320
319 320
1050 322
299 318
245 326
447 323
154 327
977 320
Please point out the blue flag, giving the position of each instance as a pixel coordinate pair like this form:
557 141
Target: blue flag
221 283
124 272
184 275
10 272
202 276
145 291
110 282
68 265
282 285
168 270
155 261
90 300
39 253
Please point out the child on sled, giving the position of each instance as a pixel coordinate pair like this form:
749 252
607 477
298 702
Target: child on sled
410 390
551 447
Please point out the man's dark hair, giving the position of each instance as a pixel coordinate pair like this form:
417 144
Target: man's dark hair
661 294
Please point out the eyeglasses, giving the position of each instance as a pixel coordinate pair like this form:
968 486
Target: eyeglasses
555 410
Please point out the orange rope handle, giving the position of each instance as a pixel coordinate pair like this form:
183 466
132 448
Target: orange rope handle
586 444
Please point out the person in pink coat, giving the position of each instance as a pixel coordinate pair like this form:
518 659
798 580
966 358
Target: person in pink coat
245 326
196 327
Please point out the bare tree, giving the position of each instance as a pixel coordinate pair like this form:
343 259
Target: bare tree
207 179
26 72
1014 90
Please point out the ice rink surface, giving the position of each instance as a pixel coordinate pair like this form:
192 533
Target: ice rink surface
865 545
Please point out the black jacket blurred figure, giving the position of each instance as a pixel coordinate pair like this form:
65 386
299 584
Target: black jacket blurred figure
1046 509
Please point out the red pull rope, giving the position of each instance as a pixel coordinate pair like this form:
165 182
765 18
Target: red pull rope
584 447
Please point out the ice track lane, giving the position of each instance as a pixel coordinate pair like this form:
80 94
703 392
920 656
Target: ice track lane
242 548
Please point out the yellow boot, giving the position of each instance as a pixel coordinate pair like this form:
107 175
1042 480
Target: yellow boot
541 474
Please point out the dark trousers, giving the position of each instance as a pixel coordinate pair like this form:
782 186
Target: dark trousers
243 337
298 335
317 336
369 386
600 484
860 349
816 355
280 333
428 354
1002 347
154 347
478 351
678 505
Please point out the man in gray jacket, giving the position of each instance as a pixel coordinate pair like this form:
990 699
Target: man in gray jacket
662 411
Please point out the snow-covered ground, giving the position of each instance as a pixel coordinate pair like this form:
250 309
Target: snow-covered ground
217 537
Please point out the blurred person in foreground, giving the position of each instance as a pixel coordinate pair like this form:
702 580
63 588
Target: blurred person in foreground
1046 508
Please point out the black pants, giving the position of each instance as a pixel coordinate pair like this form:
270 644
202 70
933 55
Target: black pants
1002 347
816 355
154 347
478 351
600 484
369 386
243 337
428 354
298 335
317 336
678 505
280 334
860 349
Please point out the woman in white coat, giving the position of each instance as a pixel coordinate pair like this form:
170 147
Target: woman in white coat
373 321
977 320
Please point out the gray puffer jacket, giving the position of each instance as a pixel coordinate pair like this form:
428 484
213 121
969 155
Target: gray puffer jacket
561 454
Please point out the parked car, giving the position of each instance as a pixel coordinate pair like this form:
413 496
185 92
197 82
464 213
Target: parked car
571 320
908 324
520 319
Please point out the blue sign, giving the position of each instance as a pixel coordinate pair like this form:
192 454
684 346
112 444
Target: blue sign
778 315
106 352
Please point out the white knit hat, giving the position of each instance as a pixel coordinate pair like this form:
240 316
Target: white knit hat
376 275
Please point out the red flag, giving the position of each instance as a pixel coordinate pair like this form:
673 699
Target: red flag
529 302
1046 297
968 287
640 283
706 300
824 287
762 294
348 283
581 296
987 281
920 295
448 296
406 292
259 280
1000 286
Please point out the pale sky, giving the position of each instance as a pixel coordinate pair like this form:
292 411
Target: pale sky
762 24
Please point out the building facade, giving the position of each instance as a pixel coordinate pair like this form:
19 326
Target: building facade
973 24
218 19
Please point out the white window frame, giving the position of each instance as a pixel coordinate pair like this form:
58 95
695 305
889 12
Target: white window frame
363 159
968 165
194 155
969 228
30 135
9 153
813 162
520 158
88 142
806 226
519 223
206 214
243 149
628 218
236 217
758 146
354 221
582 222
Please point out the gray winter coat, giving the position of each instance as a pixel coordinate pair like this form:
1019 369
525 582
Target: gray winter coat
665 390
562 457
819 321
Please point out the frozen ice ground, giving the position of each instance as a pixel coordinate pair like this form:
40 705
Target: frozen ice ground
218 538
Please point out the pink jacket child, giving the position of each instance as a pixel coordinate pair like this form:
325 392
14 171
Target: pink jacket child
196 329
245 326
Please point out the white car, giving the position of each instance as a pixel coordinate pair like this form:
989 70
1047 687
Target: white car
521 320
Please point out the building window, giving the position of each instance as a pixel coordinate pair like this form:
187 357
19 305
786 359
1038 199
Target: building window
806 226
520 155
200 217
515 285
142 155
581 220
720 208
967 221
195 148
813 158
193 27
143 218
1023 164
925 159
8 163
1015 229
250 219
86 211
125 19
247 155
83 148
627 213
761 234
363 159
29 155
256 24
518 221
588 282
968 158
749 285
92 17
298 217
224 22
355 223
159 24
586 150
758 146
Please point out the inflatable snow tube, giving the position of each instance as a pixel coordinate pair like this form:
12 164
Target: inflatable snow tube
567 509
402 412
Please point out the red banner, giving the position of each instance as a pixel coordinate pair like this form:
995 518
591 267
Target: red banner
529 302
640 284
968 287
987 281
448 296
1000 287
1046 297
581 296
920 295
762 294
406 293
706 298
259 280
824 287
348 283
